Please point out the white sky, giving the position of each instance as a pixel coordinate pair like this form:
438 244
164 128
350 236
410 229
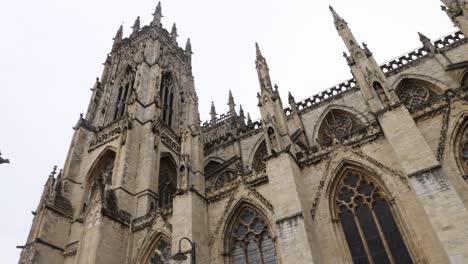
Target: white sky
52 50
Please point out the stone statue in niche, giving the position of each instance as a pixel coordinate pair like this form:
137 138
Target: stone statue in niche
273 140
184 171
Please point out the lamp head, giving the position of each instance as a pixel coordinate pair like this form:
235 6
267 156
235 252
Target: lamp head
179 256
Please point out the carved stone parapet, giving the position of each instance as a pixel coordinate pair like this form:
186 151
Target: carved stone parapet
109 133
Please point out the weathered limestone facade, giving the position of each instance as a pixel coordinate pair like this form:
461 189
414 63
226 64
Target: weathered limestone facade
373 170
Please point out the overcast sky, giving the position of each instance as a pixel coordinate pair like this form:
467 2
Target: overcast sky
51 51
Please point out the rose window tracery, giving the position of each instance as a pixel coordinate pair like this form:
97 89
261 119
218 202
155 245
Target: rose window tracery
368 223
413 95
251 241
336 124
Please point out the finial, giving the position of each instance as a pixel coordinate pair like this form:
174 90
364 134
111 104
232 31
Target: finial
174 34
232 105
136 25
119 34
241 112
423 38
290 97
258 52
53 172
336 17
249 120
157 15
188 47
213 112
366 50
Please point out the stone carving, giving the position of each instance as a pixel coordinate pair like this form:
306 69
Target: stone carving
109 133
170 142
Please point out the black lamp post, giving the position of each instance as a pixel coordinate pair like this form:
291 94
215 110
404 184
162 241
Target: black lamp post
181 256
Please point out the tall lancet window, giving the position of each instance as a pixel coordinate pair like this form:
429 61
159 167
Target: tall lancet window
167 99
250 240
124 90
367 220
167 182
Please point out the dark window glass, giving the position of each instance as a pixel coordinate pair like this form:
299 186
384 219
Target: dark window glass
162 253
368 223
167 182
167 96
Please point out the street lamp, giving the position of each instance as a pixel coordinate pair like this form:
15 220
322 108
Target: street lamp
181 256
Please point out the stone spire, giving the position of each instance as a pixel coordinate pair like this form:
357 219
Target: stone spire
174 34
118 37
231 104
374 86
213 113
262 70
136 25
157 15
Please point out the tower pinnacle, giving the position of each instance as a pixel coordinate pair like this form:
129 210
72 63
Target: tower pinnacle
232 105
262 70
174 34
136 25
157 15
118 37
213 113
188 47
336 17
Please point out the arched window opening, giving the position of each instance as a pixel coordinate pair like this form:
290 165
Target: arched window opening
168 99
161 253
211 167
367 220
414 92
464 81
250 240
261 153
125 89
167 182
100 176
337 124
462 149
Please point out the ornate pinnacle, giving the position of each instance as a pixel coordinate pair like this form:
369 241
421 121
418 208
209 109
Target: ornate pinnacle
258 52
119 34
336 17
53 172
232 105
249 120
423 38
241 112
174 34
291 97
213 112
157 15
136 25
188 47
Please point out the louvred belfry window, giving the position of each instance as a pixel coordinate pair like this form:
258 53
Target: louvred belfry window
251 241
368 224
167 99
123 93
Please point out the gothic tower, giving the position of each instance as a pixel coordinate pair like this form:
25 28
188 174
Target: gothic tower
118 168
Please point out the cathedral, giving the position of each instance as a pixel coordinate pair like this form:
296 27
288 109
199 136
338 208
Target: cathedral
372 170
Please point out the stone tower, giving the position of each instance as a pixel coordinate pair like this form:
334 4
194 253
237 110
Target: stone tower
372 170
142 119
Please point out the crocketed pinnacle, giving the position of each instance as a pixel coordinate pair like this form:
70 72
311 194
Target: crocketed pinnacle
174 31
157 15
158 9
188 47
258 52
136 25
119 34
336 17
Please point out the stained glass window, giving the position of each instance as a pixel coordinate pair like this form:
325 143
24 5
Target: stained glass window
463 149
162 253
336 124
251 241
368 223
414 92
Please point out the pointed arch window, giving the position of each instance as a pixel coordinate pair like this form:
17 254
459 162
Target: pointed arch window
123 93
336 124
167 99
462 148
369 226
414 92
250 240
167 182
261 153
161 253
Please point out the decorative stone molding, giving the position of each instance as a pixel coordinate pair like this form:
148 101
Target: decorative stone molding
109 133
